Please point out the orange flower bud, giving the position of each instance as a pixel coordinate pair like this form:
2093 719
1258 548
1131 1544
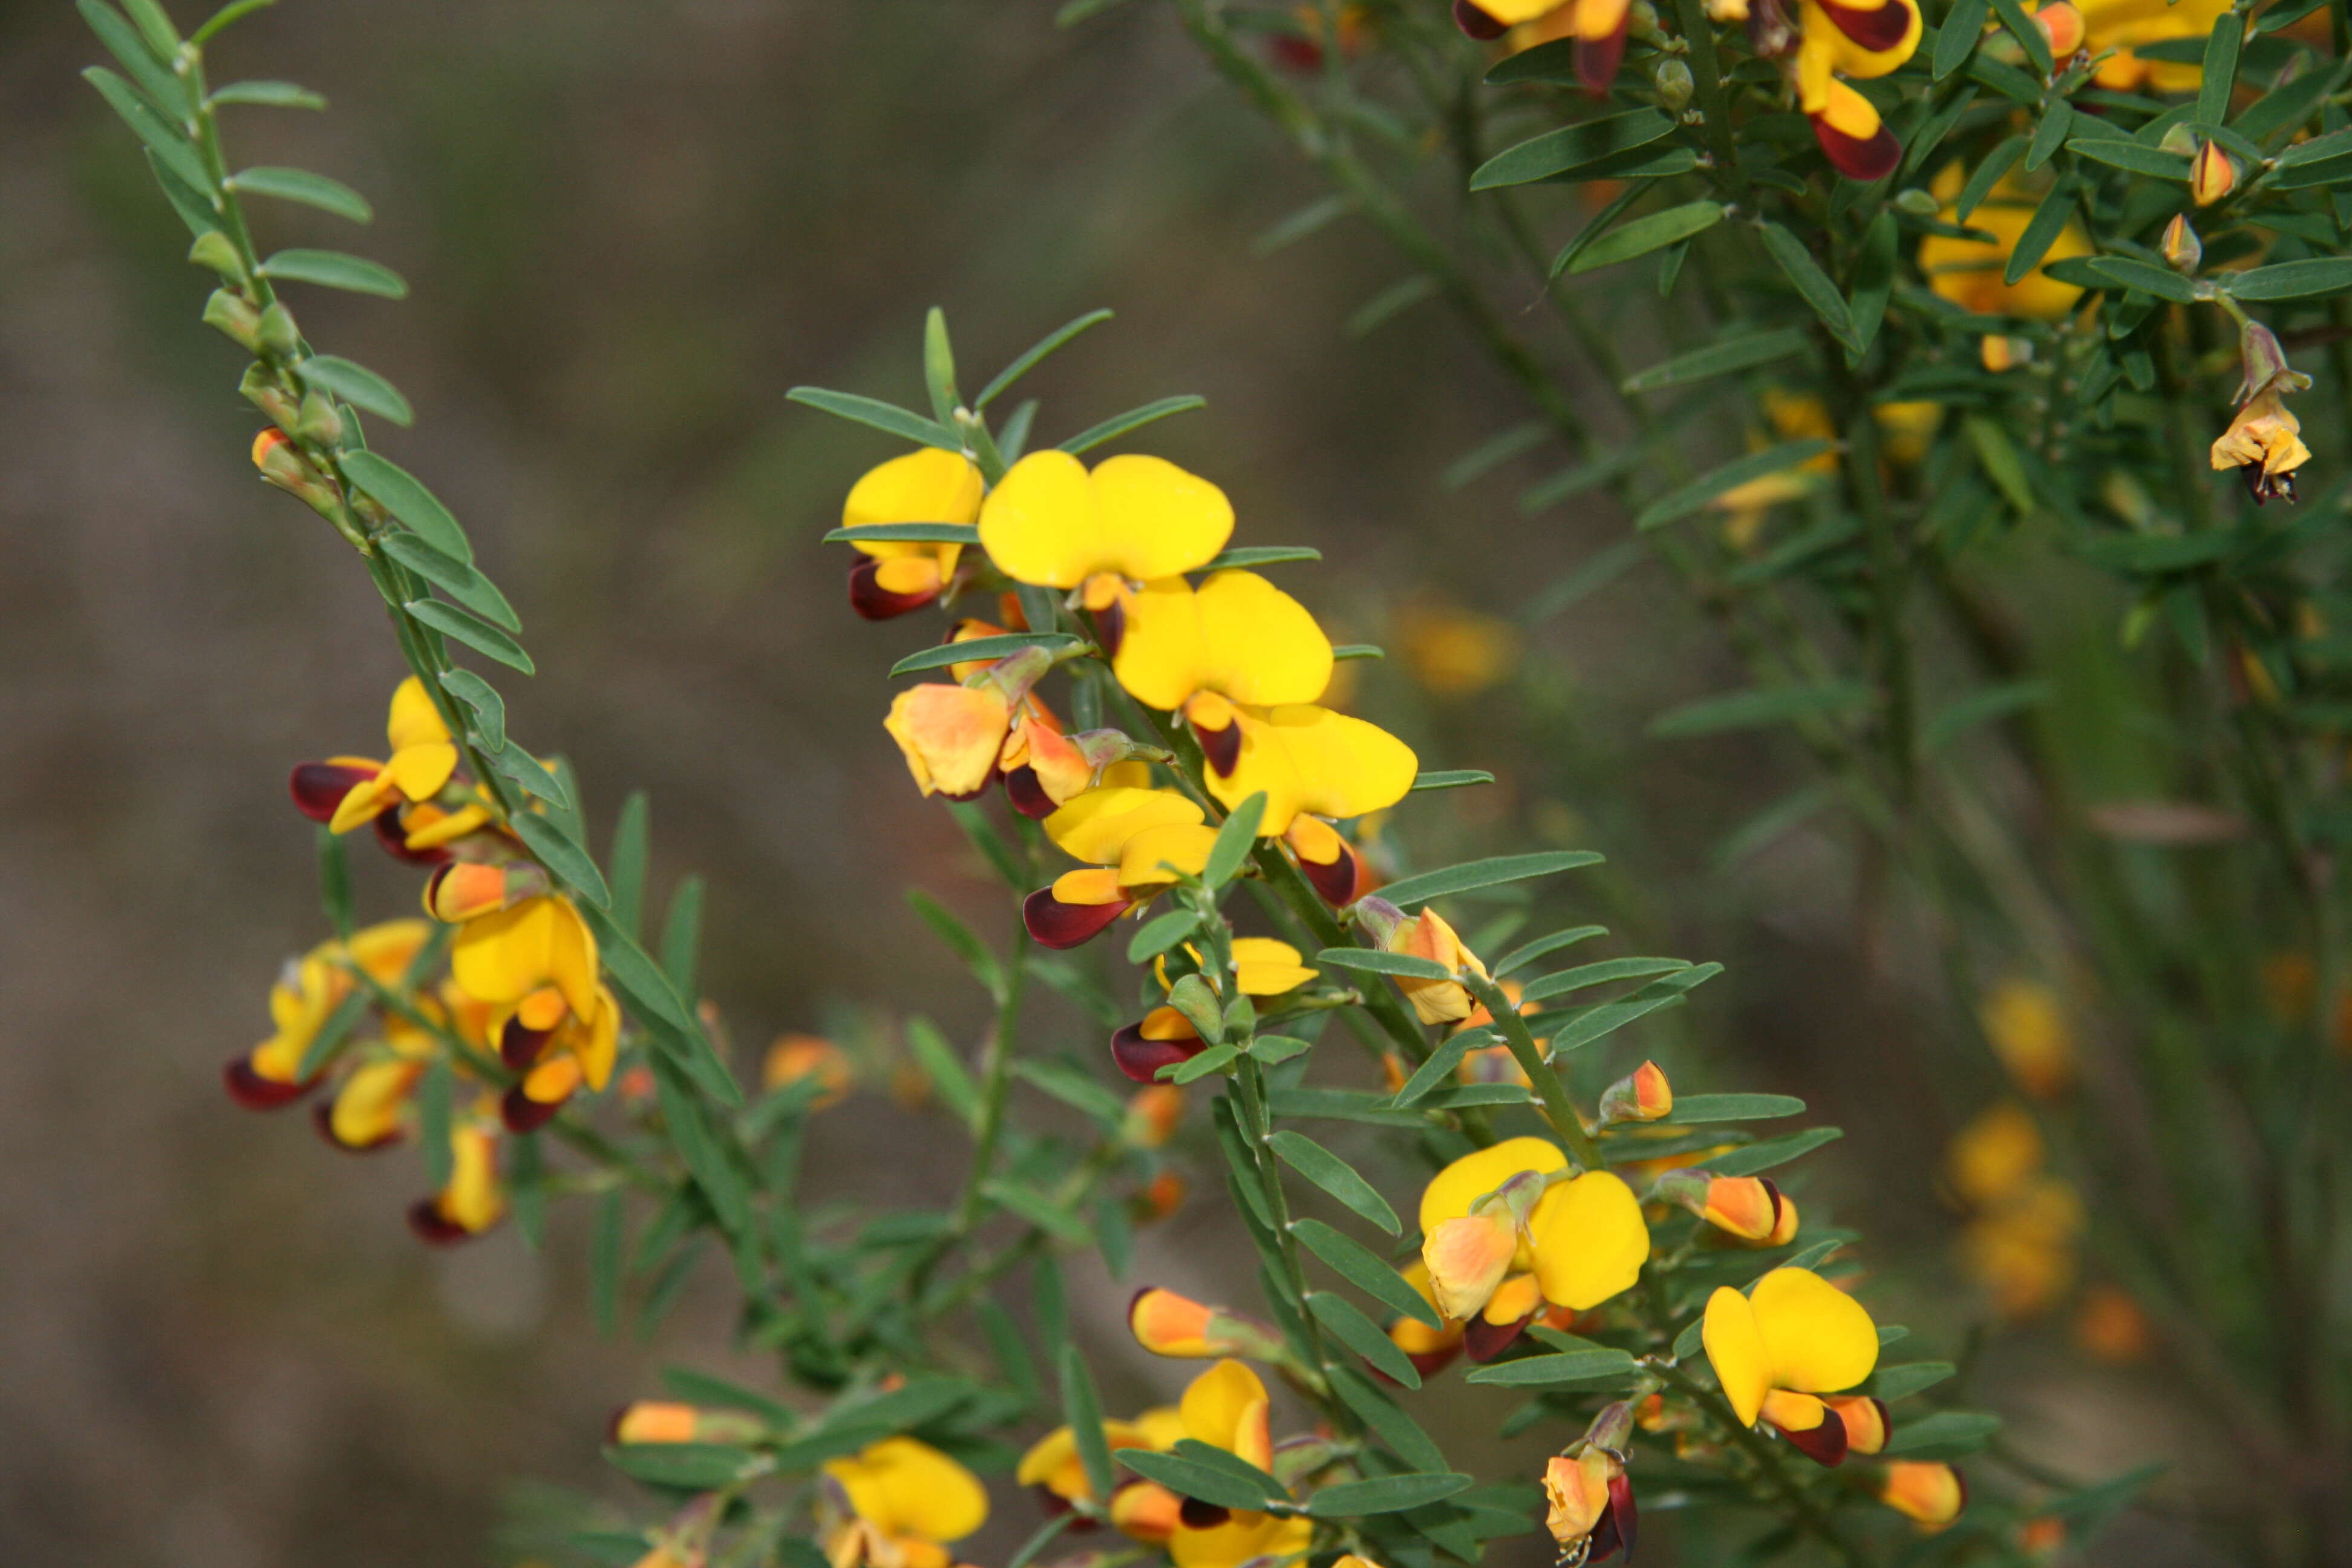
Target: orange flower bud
1163 1196
1867 1425
2112 1328
2183 251
2063 25
1166 1323
2043 1537
1748 1207
1931 1494
1642 1095
654 1421
2213 175
466 889
795 1057
1152 1115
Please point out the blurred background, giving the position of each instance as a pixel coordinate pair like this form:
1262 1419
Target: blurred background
629 228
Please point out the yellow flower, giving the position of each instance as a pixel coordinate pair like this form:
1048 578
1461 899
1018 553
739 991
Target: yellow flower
1797 1334
473 1200
1993 1158
1309 759
503 957
2264 444
1132 837
1052 1465
1504 1210
1856 41
1453 652
912 1500
2029 1033
951 735
347 792
305 996
1969 271
2123 25
925 485
1426 935
1597 26
2023 1251
1133 519
1167 1324
1236 639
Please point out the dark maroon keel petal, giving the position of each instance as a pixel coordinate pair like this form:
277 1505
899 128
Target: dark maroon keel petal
1826 1444
1856 159
871 600
1221 747
1027 795
1485 1341
322 1116
1110 629
522 1113
1059 925
255 1092
1477 22
1624 1519
519 1047
1141 1059
424 1218
394 839
1429 1364
1337 881
1877 30
2267 487
1597 60
318 787
1199 1515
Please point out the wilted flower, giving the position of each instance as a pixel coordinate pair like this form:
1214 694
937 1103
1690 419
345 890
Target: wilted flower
2264 442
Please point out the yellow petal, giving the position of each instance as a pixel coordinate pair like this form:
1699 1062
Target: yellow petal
1095 827
1245 1537
422 769
1589 1240
908 1488
415 720
951 735
1466 1257
925 486
504 957
1736 1348
364 802
1454 1189
1046 1457
1226 1408
1238 635
1268 968
1820 1339
1309 758
1145 860
1051 522
367 1108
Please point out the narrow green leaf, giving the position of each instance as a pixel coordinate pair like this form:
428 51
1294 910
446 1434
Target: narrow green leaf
196 210
1073 1089
1041 1212
1986 175
1134 419
1758 709
1645 235
462 583
268 95
2030 37
1907 1378
122 41
1215 1059
1335 1176
1307 220
2140 158
1489 454
1956 38
706 1388
1690 498
1450 778
686 1467
1389 1423
309 189
690 1135
1236 835
1701 1107
1378 961
1189 1477
173 149
331 1034
1601 974
2161 281
1980 707
1388 304
1594 227
473 631
2041 230
941 1064
960 938
1160 934
1874 280
1757 1158
1474 874
880 416
1813 285
938 368
2291 279
434 1093
1082 1409
682 936
1438 1067
570 863
1255 555
1345 651
1518 958
981 648
1383 1494
1349 1325
1999 459
155 27
1588 1024
2221 72
1361 1267
631 849
1340 1105
336 269
532 776
357 385
1741 352
1944 1434
1562 151
404 495
1542 1370
334 884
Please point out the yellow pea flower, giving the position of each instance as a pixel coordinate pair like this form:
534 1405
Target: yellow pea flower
1428 1349
1310 760
1133 837
1265 967
1502 1212
2123 25
369 1107
1852 41
1051 522
1969 271
925 486
1994 1157
1181 1329
1236 639
474 1199
557 1049
504 956
1426 935
1053 1466
346 792
1245 1537
1335 867
1797 1334
1226 1407
909 1503
306 994
2264 444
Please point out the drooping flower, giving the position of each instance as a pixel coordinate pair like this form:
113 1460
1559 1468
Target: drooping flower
929 485
1864 41
1776 1351
1133 519
473 1199
1588 1497
1236 639
305 996
1130 837
906 1503
2264 441
345 792
1309 759
1512 1210
1930 1494
1261 966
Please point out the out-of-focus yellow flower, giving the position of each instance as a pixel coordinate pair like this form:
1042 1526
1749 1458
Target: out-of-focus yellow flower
1052 1465
1454 652
2110 1326
2027 1026
2123 25
928 485
2023 1251
1969 271
792 1057
1994 1157
908 1503
1930 1495
1152 1115
474 1199
305 996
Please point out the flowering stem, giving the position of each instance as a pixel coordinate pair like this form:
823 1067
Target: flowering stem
1803 1507
1558 1108
1698 32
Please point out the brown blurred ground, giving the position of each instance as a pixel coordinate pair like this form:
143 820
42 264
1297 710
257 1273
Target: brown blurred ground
629 229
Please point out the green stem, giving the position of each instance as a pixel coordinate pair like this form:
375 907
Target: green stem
1558 1108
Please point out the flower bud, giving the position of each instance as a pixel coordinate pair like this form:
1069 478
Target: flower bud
2213 175
1642 20
2062 24
1915 202
213 250
1930 1494
1999 354
653 1420
1673 79
1642 1095
1152 1115
2182 249
279 336
316 420
232 315
466 889
261 387
1166 1323
1163 1196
